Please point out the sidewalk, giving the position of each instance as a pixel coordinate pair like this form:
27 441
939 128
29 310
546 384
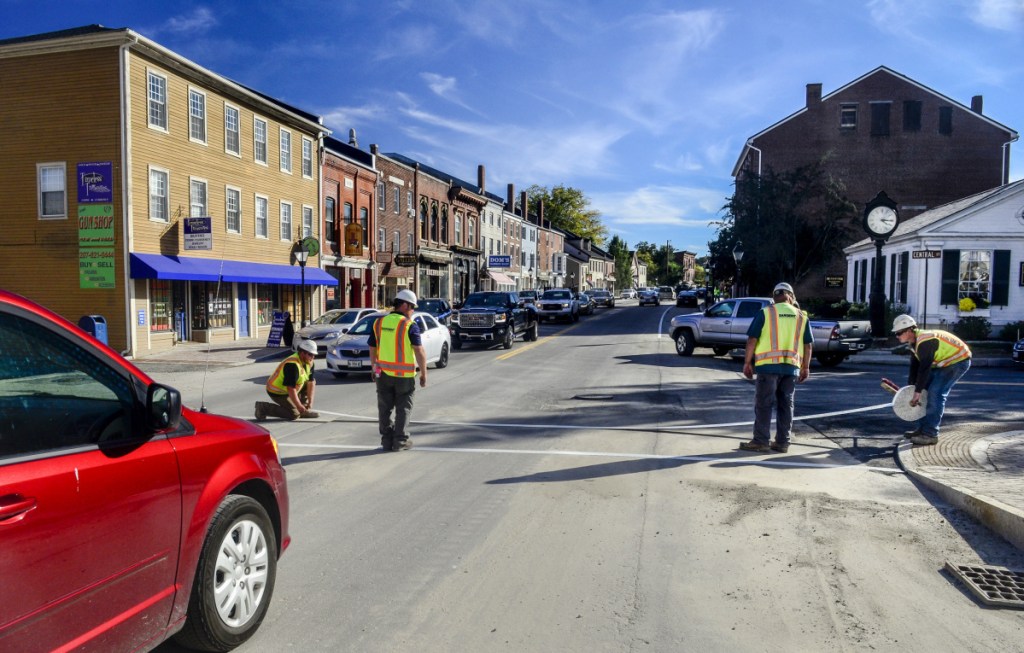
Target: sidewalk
980 473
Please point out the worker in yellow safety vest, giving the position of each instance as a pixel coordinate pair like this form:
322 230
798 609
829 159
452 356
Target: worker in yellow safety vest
939 360
291 387
396 354
779 348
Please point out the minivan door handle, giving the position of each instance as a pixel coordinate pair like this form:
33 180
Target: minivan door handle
14 507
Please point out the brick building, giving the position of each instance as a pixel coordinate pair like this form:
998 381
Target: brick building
349 189
885 131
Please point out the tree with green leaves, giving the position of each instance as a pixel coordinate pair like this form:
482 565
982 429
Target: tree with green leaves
568 209
619 251
790 223
655 257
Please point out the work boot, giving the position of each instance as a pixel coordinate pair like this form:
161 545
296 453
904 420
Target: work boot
309 414
754 445
781 447
401 445
924 440
261 411
910 434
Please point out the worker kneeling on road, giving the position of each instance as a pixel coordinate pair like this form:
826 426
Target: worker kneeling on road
291 387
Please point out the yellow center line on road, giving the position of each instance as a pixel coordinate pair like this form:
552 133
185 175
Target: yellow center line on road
536 343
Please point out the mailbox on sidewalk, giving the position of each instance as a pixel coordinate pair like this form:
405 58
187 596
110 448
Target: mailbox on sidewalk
95 326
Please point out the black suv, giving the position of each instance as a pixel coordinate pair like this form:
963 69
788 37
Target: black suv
493 317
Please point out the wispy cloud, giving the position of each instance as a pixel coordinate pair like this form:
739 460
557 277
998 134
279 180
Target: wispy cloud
446 88
1006 15
200 20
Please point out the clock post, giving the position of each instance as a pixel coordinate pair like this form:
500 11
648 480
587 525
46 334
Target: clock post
881 217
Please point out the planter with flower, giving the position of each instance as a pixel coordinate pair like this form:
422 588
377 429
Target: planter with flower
968 307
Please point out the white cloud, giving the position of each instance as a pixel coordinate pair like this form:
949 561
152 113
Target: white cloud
1007 15
661 205
200 20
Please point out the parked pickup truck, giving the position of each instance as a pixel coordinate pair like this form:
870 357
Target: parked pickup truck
494 317
723 327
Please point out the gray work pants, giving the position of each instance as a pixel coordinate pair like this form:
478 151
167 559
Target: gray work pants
394 394
774 391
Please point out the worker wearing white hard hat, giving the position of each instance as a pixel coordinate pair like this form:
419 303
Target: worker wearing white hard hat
291 387
939 360
397 354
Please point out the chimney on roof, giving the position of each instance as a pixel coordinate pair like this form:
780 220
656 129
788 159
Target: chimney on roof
523 206
352 138
373 149
540 212
510 198
813 95
480 178
976 104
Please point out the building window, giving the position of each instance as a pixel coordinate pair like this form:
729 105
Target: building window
233 209
411 243
975 277
848 116
458 229
210 309
331 235
348 213
161 315
408 200
158 202
470 236
307 221
396 242
157 101
912 116
261 217
382 239
259 140
196 116
380 196
395 197
197 198
880 118
307 158
232 142
423 221
286 151
433 223
444 224
52 182
364 222
265 303
286 221
946 120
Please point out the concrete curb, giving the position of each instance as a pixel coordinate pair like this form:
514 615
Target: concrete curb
1005 520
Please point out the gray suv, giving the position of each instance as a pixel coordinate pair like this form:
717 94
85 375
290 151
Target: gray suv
558 304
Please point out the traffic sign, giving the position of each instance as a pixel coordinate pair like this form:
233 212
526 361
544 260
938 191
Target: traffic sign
926 253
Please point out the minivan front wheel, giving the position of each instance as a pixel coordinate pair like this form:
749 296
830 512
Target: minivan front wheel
235 577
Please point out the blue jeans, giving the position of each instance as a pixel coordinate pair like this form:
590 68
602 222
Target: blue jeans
773 391
941 382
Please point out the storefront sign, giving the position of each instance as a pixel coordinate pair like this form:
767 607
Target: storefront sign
198 233
96 246
142 317
405 260
926 253
499 261
95 183
353 240
277 328
835 281
96 268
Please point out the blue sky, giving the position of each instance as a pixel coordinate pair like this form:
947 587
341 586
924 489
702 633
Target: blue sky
644 105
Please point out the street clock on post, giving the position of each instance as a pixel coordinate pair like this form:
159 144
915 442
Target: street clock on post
881 217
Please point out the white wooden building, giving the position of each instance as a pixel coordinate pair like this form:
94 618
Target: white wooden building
975 247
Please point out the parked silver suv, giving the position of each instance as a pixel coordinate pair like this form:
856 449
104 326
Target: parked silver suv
558 304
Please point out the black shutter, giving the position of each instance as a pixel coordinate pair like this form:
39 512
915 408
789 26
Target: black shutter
892 278
863 279
904 279
950 276
880 118
1001 278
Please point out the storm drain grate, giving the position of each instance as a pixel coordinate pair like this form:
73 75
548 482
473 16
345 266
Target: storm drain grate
995 586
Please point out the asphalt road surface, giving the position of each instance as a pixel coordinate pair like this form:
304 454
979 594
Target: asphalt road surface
584 493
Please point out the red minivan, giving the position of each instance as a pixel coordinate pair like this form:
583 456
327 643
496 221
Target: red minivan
125 518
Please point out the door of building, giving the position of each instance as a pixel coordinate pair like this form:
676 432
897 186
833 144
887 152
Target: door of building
243 310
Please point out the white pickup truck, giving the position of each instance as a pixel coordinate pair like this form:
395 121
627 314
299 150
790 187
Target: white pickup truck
723 327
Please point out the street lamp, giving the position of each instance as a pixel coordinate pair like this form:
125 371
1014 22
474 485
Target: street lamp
302 256
572 280
737 255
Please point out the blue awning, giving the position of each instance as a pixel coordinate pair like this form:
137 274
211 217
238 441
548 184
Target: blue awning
188 268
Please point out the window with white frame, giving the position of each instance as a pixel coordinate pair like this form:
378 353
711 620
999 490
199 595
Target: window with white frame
259 140
159 208
975 277
396 242
52 183
197 115
157 90
286 221
232 140
847 116
233 209
458 228
364 222
260 212
307 221
330 228
382 239
347 213
408 200
411 242
470 236
197 198
307 158
286 151
380 196
396 197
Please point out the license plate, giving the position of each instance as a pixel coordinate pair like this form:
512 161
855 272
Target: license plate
355 364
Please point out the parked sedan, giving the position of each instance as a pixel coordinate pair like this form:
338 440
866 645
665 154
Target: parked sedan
126 518
602 298
649 296
1018 351
687 299
628 293
326 328
586 303
351 352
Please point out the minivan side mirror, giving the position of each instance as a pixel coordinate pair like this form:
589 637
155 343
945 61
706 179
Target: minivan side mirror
163 407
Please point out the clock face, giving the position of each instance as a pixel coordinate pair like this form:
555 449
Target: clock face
1020 215
881 220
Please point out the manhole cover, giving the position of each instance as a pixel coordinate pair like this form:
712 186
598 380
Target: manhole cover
996 586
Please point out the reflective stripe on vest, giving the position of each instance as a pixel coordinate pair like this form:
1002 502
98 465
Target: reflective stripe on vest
394 350
780 340
951 349
275 383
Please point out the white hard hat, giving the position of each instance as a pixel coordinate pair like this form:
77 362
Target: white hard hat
407 296
308 346
903 322
783 286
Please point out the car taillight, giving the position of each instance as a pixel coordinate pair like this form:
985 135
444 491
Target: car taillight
836 333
